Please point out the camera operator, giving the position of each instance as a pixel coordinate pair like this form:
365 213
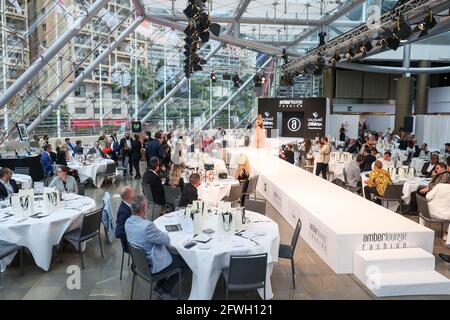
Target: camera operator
323 157
287 154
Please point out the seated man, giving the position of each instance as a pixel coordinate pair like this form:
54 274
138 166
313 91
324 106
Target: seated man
379 179
440 175
78 149
124 211
190 190
421 151
429 167
354 172
387 161
369 158
143 234
97 150
8 185
287 154
151 177
353 146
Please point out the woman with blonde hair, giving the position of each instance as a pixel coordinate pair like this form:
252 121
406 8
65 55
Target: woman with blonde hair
175 178
61 154
243 169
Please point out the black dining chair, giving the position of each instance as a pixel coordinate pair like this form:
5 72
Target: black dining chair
152 206
424 213
287 251
90 228
393 192
172 196
125 250
81 189
246 272
235 194
141 268
7 248
110 172
256 205
251 186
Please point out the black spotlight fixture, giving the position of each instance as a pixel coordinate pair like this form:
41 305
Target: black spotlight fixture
365 47
427 23
402 30
322 36
263 79
349 54
257 80
335 59
213 77
236 81
320 63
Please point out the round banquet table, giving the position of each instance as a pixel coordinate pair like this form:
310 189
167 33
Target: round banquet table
219 164
39 235
89 171
216 190
25 180
207 263
418 163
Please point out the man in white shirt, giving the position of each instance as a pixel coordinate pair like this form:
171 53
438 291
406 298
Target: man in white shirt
439 204
387 160
353 171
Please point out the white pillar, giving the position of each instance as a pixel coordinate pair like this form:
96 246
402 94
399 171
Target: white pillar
189 104
58 77
136 98
100 96
4 67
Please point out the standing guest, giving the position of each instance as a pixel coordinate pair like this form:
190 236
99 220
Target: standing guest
353 171
114 137
342 134
379 179
447 148
102 137
440 175
260 134
430 166
78 149
369 159
151 177
403 137
46 161
135 155
154 147
125 149
190 193
70 146
124 212
288 154
8 185
323 157
166 159
143 234
307 151
64 182
61 155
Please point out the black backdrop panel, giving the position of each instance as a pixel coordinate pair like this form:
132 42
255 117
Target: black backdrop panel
292 124
313 109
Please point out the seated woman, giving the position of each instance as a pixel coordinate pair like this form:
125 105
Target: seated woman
243 173
175 179
64 182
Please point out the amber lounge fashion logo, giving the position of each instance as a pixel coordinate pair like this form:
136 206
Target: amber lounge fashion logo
290 103
386 240
318 237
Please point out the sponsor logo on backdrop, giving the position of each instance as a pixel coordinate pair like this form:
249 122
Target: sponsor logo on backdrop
268 120
315 122
290 103
318 237
294 124
386 240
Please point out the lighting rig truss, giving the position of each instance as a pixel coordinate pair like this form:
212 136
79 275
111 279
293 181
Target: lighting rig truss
394 27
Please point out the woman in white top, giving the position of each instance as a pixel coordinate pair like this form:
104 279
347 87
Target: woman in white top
63 182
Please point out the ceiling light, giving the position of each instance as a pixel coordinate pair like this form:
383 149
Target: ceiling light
335 59
428 22
213 77
349 54
366 46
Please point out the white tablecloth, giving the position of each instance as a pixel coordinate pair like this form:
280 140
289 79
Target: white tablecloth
417 164
219 165
25 180
90 171
411 185
206 265
40 235
215 191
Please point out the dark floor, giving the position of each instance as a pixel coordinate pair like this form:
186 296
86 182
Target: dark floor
100 279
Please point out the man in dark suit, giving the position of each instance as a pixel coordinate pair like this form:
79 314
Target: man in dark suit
125 147
154 147
151 177
190 190
46 161
124 211
368 160
288 154
7 184
353 146
429 167
78 149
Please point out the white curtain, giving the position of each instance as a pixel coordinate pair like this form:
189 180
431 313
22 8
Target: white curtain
436 131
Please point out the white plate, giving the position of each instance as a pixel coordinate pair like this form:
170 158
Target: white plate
204 246
260 233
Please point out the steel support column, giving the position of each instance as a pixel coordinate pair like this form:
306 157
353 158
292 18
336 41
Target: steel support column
55 103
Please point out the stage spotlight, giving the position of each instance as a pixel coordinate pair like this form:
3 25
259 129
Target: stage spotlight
366 46
402 30
197 67
349 54
322 36
263 79
257 80
335 59
213 77
320 63
236 81
428 22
